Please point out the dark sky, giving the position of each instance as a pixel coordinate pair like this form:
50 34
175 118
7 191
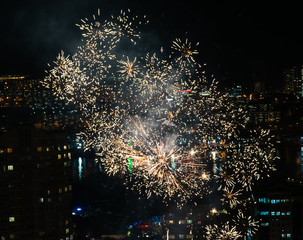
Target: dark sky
242 41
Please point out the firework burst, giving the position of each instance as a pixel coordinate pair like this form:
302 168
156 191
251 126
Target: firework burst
157 122
185 52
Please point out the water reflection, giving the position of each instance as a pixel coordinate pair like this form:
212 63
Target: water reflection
80 167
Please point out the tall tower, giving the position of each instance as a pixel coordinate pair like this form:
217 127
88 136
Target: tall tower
35 186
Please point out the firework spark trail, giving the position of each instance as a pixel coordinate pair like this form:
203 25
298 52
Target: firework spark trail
157 122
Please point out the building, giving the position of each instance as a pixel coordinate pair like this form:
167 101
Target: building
280 211
293 80
35 190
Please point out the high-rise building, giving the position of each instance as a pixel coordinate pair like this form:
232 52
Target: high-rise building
293 80
35 185
280 211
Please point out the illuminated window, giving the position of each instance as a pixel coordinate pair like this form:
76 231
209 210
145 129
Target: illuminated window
278 213
65 164
9 150
266 224
189 236
66 189
288 235
41 200
64 147
264 213
11 219
199 222
288 213
272 201
181 221
69 155
189 221
272 213
70 187
39 149
171 221
181 236
172 237
67 230
60 190
59 156
10 167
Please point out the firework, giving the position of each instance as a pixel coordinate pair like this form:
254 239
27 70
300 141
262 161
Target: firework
128 68
231 196
185 52
158 123
246 225
221 232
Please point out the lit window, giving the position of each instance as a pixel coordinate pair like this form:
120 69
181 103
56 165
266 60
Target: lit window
41 200
272 213
283 213
69 155
264 213
199 222
39 149
47 149
171 221
288 235
283 235
181 236
9 150
59 156
273 201
59 149
60 190
64 147
288 213
181 221
67 230
189 221
189 236
66 189
265 224
172 237
11 219
65 164
278 213
277 200
10 167
70 187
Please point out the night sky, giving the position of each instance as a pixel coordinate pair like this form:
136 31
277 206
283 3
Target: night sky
242 41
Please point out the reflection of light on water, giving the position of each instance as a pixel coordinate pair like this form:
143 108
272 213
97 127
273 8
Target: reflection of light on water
80 167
